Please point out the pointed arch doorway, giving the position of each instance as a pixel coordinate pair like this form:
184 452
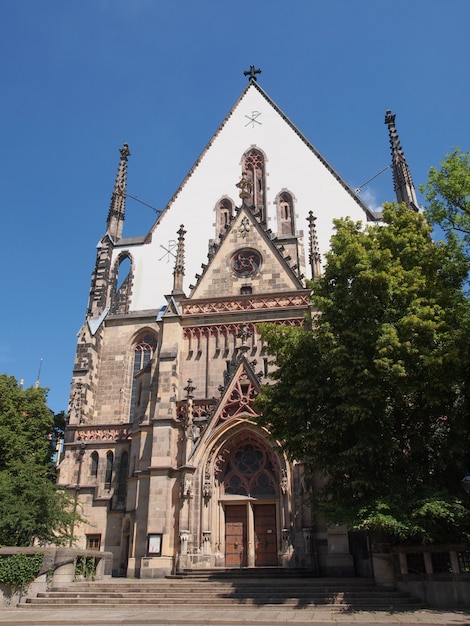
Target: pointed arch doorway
250 501
251 524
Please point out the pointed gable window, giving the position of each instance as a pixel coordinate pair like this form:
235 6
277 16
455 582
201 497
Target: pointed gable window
285 214
254 167
224 213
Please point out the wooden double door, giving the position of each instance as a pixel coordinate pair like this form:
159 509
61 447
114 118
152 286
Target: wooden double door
250 535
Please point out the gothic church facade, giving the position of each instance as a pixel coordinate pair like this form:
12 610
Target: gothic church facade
162 449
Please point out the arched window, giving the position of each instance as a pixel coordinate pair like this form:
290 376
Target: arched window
123 471
123 284
124 271
224 212
285 214
143 353
109 470
254 168
94 465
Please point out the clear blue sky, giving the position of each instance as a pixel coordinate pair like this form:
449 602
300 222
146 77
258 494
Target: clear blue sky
81 77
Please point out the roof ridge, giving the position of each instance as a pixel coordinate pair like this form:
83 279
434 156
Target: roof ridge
254 85
318 154
201 155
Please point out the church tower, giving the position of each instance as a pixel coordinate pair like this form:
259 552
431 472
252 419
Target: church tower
176 473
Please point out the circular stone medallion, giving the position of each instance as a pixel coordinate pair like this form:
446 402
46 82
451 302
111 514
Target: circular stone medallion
245 262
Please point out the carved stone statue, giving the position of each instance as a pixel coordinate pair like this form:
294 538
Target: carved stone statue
207 487
187 486
245 185
284 482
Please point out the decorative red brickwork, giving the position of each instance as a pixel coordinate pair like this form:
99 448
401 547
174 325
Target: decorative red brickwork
247 304
201 408
103 433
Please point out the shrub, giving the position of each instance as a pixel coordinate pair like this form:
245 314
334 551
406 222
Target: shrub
19 570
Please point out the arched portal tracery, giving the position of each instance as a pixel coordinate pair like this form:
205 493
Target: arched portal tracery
247 464
249 472
244 496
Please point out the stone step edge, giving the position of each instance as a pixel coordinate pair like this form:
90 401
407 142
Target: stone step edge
224 607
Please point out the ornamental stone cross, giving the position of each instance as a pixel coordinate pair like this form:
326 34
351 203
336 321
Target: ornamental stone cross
251 73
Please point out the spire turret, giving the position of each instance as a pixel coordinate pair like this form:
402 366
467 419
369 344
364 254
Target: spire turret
178 272
314 251
404 188
118 199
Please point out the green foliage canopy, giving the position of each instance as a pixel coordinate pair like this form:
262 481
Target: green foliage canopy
372 397
448 194
32 507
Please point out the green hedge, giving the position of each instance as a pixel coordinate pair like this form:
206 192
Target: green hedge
19 570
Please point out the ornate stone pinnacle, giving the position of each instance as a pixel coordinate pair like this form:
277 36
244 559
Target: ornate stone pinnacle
125 152
178 272
314 251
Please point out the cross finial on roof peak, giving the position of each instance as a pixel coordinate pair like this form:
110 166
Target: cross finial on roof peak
251 73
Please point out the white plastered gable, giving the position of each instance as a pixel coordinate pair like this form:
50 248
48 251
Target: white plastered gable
292 164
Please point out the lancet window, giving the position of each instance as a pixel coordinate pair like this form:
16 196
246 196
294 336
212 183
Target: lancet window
285 214
144 350
123 471
254 168
122 284
109 470
224 211
94 465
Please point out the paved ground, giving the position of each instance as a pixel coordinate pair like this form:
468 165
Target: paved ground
76 616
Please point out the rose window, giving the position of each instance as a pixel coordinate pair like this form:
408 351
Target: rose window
249 472
245 262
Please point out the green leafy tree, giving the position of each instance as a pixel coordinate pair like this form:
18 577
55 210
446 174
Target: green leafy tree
32 507
372 395
448 194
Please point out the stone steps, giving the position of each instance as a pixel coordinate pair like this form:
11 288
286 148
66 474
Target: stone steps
224 590
357 606
313 598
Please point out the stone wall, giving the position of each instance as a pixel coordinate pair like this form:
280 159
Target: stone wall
58 568
438 575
